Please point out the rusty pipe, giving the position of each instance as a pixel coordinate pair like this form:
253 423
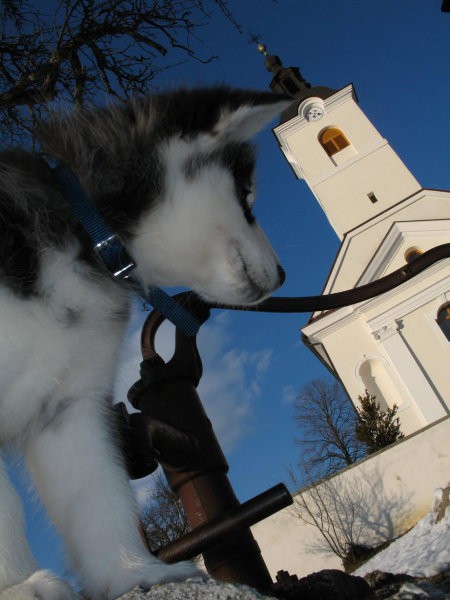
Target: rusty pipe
220 528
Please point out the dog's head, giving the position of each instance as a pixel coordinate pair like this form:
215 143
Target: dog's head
201 232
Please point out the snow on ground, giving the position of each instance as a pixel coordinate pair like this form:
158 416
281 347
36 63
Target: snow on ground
422 552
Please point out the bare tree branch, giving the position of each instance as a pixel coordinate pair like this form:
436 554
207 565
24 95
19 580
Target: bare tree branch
326 420
335 506
90 46
163 519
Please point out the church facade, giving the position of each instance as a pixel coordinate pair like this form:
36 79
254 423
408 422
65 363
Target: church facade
397 345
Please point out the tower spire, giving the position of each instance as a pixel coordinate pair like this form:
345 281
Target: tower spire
290 82
286 80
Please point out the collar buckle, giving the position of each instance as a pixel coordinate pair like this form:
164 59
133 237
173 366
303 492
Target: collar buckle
117 260
105 243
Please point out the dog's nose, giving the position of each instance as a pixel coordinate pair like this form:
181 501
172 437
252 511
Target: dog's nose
281 274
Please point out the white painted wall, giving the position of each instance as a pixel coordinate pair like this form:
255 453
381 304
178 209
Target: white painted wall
421 221
392 490
396 343
341 183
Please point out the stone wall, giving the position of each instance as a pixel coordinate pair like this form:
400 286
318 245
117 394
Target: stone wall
386 493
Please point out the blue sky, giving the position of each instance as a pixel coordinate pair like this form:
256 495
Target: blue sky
396 55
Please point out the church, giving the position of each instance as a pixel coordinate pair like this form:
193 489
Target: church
397 345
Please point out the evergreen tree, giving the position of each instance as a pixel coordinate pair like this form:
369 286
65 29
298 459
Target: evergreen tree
375 427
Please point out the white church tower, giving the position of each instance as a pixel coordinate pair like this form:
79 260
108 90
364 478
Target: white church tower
396 345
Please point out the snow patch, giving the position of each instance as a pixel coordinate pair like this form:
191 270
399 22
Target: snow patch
422 552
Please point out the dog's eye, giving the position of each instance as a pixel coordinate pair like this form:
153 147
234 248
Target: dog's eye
247 199
249 196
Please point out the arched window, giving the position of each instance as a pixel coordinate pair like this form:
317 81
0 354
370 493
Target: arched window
378 379
371 373
333 141
443 320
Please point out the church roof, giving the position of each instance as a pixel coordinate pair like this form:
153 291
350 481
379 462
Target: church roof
421 220
317 91
290 82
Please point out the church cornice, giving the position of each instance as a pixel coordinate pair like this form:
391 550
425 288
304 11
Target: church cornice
419 290
400 232
416 300
298 120
344 248
417 195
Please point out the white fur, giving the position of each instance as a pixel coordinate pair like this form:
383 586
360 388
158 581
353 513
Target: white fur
73 459
243 123
56 379
42 585
199 238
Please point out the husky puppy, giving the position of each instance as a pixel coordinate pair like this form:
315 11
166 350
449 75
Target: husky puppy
172 174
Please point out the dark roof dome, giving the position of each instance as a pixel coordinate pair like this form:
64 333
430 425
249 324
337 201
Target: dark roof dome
290 82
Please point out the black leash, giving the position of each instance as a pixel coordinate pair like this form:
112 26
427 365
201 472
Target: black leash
120 264
359 294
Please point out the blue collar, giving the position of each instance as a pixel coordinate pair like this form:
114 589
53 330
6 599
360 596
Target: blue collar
105 242
115 257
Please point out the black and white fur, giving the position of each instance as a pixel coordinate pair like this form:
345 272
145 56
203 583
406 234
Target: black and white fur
173 175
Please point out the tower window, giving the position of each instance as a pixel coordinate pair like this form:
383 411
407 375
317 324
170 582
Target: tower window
372 197
289 86
333 141
443 320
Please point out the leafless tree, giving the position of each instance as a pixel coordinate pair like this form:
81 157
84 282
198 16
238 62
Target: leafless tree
331 438
326 420
163 519
335 506
83 47
354 514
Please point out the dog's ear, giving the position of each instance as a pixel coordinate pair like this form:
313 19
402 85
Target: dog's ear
242 122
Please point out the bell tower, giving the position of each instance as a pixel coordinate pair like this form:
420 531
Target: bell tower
329 142
396 345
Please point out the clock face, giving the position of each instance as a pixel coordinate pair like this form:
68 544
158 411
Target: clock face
314 113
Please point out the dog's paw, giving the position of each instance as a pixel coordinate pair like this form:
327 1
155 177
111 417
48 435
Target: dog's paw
177 572
42 585
146 576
